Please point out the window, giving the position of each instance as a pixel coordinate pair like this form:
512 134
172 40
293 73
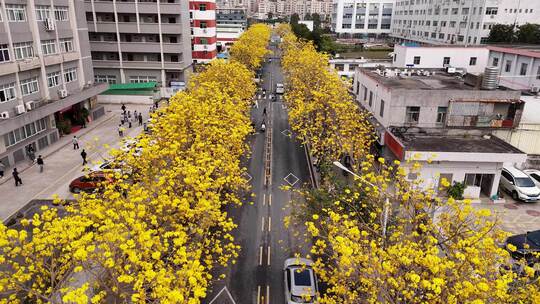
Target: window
365 93
495 61
340 66
70 75
111 79
523 70
508 66
16 12
203 40
48 47
203 24
538 73
43 12
441 115
491 10
22 133
370 98
412 115
446 61
4 53
381 110
416 60
7 92
472 61
53 79
139 79
202 7
66 45
61 13
23 50
507 175
29 86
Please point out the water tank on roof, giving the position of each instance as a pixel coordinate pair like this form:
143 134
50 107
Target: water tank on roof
491 78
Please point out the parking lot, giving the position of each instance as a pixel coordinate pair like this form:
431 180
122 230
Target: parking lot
515 217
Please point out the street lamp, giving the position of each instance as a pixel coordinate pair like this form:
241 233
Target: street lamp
386 202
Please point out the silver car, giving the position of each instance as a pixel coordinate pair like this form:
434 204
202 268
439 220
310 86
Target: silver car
300 281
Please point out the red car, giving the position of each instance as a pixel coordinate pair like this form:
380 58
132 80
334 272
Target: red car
90 182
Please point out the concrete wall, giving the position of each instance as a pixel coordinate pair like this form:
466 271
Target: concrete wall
128 99
433 57
430 173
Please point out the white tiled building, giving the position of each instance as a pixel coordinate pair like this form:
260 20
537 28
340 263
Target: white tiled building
458 21
362 18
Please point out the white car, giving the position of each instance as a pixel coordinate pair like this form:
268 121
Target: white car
535 175
280 89
519 184
300 281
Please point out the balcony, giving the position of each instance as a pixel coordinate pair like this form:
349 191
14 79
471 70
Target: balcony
140 47
504 113
104 46
7 68
29 64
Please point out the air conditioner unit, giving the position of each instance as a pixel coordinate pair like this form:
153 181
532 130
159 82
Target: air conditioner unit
62 93
535 89
49 24
450 70
20 109
30 105
4 115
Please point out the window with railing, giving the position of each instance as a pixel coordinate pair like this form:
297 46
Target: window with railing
48 47
23 50
43 12
25 132
53 79
70 75
7 92
66 45
4 53
61 13
16 12
29 86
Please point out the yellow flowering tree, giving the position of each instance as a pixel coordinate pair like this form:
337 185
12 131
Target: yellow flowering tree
159 226
251 47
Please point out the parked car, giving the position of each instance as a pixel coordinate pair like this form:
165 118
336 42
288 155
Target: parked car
535 175
280 89
531 240
519 184
91 182
300 281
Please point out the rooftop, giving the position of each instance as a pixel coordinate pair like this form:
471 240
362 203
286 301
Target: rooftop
438 79
460 144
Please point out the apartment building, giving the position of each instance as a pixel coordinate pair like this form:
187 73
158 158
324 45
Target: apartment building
457 21
139 41
231 23
445 123
232 4
284 8
46 77
362 18
203 30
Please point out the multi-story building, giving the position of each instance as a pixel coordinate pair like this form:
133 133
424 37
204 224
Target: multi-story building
231 23
443 122
203 30
284 8
458 22
362 18
46 78
232 3
139 41
519 69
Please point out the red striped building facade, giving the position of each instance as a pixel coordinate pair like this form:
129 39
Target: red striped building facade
203 30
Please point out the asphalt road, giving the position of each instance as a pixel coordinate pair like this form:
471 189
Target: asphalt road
277 159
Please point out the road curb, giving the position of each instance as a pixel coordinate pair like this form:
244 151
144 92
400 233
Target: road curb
60 146
311 168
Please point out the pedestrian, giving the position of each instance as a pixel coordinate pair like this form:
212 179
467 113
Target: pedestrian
2 168
75 142
135 115
123 108
120 131
140 119
31 153
129 124
264 111
156 103
16 177
84 122
40 163
83 155
129 115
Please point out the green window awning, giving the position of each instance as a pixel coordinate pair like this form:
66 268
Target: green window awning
141 88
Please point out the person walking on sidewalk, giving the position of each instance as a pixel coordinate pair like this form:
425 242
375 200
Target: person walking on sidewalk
83 155
16 177
140 119
120 130
40 163
31 153
123 108
75 142
2 168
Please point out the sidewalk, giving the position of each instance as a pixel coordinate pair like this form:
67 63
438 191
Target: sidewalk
63 163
